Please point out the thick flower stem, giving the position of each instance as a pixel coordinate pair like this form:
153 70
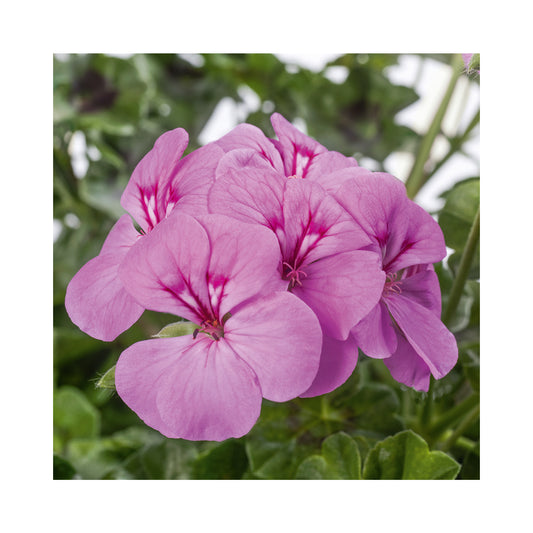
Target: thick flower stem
462 270
417 178
454 415
461 428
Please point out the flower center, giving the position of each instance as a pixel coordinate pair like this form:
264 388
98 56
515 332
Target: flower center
293 274
212 328
296 177
392 285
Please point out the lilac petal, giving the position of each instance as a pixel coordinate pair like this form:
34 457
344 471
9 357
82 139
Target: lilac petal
423 241
337 362
423 288
96 300
297 149
196 390
407 367
141 198
195 174
342 289
248 136
315 225
375 334
249 194
332 180
280 338
428 336
244 261
378 202
166 270
241 159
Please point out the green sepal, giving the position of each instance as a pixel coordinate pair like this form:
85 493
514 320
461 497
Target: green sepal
107 381
177 329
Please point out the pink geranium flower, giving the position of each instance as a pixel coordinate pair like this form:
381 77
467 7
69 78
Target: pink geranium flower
293 154
404 327
96 299
252 340
321 258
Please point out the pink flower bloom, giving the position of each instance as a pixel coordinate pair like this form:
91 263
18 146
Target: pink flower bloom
96 300
253 340
321 260
414 343
293 154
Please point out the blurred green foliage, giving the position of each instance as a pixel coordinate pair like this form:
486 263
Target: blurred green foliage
118 107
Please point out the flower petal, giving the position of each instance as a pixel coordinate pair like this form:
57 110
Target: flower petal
96 300
250 194
244 261
251 137
327 170
142 195
166 270
423 287
342 289
196 390
375 334
280 338
378 202
428 336
337 362
194 176
423 241
315 225
297 149
407 367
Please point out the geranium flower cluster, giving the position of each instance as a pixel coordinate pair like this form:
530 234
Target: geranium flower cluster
288 257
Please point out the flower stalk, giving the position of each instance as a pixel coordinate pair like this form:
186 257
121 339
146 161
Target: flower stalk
418 177
462 270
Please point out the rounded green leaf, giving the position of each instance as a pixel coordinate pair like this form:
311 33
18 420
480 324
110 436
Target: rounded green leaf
340 459
406 455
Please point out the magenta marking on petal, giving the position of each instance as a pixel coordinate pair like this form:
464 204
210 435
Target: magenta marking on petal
302 158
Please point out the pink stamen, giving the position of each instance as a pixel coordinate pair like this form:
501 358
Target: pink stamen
210 327
293 275
392 285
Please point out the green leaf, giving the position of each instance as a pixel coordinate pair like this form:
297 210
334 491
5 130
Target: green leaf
406 455
107 381
177 329
170 459
227 460
340 459
375 407
63 469
74 416
456 219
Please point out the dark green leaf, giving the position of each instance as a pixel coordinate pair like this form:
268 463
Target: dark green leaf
63 469
227 460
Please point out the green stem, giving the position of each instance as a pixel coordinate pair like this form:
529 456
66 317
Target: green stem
427 410
462 270
417 177
455 145
463 426
453 416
